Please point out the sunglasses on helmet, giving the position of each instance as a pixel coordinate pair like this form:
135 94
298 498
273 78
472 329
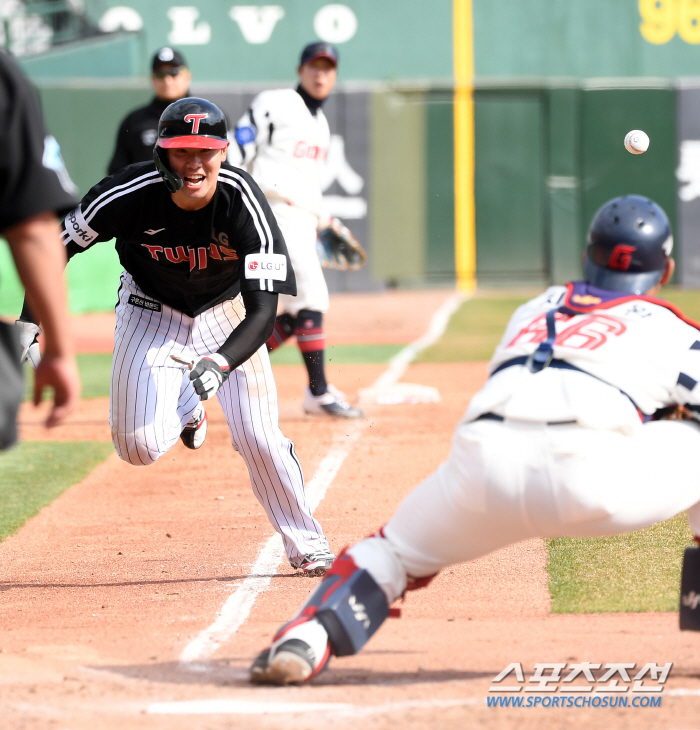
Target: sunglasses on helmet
175 71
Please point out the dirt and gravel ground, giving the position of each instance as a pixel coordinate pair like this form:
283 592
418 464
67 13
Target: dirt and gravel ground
106 587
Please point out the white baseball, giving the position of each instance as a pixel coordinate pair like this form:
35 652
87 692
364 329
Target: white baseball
636 141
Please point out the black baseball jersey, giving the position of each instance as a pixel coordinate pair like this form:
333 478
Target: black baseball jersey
137 135
33 178
190 260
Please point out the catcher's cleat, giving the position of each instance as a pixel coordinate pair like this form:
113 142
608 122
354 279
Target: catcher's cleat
315 564
331 403
301 653
194 433
258 670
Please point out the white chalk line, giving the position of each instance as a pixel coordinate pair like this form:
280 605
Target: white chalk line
401 361
243 707
239 604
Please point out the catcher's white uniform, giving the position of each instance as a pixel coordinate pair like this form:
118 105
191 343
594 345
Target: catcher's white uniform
561 452
284 147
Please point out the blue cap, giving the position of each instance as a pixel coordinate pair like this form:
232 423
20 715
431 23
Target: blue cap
319 50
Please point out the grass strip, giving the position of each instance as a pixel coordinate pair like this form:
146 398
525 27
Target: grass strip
474 330
687 300
95 370
36 472
634 572
95 374
339 354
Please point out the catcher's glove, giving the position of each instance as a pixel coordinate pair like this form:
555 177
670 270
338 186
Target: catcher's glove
339 249
676 413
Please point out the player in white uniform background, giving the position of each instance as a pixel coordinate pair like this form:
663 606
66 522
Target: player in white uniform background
561 441
283 141
204 263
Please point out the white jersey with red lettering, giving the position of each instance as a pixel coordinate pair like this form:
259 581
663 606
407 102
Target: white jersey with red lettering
561 451
606 338
284 147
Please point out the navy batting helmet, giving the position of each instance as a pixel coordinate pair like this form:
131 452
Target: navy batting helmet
189 123
629 244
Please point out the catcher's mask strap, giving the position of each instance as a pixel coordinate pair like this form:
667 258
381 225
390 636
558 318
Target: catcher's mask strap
173 182
544 353
563 365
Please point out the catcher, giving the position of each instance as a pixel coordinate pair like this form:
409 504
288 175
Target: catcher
558 442
283 140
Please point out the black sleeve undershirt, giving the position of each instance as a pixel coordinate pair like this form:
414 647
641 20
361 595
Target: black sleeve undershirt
254 330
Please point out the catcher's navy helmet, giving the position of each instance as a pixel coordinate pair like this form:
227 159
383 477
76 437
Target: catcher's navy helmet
629 244
189 123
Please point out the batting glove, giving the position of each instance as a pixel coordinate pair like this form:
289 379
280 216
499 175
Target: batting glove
208 374
28 334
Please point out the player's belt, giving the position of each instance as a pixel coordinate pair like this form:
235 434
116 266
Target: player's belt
563 365
496 417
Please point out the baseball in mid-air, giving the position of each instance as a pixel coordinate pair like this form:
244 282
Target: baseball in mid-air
636 141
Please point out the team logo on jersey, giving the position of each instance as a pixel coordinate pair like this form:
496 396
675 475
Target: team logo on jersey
196 257
266 266
621 257
195 119
312 151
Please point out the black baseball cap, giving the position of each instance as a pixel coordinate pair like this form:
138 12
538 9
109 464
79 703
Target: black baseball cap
319 50
167 56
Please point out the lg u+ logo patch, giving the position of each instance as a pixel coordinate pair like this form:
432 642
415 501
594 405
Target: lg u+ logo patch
266 266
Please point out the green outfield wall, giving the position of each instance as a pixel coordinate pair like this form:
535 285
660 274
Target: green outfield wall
228 41
412 39
546 157
551 86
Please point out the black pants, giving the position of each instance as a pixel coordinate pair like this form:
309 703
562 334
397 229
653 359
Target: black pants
11 384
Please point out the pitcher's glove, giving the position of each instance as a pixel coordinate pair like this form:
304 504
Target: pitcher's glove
339 249
208 374
28 337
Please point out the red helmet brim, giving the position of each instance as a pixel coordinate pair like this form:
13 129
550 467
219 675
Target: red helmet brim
195 142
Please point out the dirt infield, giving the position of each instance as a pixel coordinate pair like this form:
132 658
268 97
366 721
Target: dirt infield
103 591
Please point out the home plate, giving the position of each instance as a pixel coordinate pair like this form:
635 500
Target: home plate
401 393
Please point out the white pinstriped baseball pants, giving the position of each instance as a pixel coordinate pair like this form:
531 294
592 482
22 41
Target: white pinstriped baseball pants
151 400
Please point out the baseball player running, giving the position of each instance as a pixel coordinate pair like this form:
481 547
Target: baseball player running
204 263
561 441
283 140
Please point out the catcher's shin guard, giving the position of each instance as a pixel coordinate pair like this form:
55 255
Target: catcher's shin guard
349 605
690 590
